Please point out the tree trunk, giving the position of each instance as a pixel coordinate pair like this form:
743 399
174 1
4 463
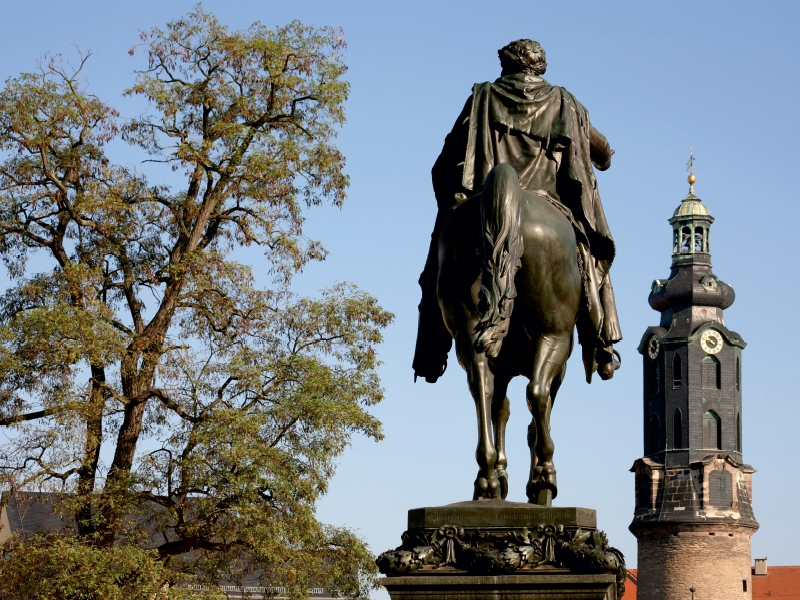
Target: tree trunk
91 454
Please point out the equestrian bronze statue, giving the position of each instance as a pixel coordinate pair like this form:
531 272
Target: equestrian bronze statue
519 257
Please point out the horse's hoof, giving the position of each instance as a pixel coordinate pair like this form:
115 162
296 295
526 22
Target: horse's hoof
550 482
542 489
541 493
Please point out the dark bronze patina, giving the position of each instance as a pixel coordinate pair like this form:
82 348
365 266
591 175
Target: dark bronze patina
520 254
556 552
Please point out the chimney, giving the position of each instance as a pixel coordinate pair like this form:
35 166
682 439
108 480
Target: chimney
761 566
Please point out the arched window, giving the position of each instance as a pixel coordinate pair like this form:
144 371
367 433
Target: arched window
686 240
711 375
677 376
739 432
712 431
699 246
738 375
675 241
654 439
677 430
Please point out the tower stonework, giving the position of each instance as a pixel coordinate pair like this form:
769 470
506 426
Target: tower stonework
693 518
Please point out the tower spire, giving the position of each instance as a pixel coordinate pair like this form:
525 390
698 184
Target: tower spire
693 515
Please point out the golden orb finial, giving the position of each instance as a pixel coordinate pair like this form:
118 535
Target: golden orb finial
691 179
690 167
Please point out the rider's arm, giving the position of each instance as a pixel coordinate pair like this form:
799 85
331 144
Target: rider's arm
599 149
448 170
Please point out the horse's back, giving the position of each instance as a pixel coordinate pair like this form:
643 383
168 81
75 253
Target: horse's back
549 280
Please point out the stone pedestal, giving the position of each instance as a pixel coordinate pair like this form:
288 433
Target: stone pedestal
503 550
500 515
542 586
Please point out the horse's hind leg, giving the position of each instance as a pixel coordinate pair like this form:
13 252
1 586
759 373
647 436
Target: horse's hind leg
501 410
481 381
551 352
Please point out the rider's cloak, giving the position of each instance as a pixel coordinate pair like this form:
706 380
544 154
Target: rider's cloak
545 134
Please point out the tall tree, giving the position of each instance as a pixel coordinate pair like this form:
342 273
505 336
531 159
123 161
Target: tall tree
187 419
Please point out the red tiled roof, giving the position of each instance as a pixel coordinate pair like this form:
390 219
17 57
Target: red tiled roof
781 583
631 585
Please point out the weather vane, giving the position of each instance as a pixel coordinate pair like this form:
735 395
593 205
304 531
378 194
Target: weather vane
690 167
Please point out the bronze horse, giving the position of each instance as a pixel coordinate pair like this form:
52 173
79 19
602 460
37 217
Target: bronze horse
510 296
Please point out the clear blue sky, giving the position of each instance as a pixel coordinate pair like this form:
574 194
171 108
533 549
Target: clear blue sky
657 78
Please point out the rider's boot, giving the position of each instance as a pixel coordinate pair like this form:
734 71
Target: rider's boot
433 343
608 361
433 338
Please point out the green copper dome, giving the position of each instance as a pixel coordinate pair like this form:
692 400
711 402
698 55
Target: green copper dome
691 207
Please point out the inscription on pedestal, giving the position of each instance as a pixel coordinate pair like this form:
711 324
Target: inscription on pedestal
499 513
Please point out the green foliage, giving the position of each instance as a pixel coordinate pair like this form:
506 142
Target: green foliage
188 419
74 570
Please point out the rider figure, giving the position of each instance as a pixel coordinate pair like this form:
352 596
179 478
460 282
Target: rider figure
544 133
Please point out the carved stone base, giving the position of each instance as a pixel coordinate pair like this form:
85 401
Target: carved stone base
480 539
500 514
542 586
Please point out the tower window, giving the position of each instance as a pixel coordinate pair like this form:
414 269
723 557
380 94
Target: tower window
677 430
676 371
686 240
712 431
644 492
654 439
739 432
738 374
711 373
699 246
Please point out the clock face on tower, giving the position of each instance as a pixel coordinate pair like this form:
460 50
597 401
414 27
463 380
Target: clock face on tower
653 346
711 341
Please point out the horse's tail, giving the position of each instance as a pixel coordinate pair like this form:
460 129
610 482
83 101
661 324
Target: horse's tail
501 252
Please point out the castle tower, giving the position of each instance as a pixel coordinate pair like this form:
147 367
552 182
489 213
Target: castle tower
693 517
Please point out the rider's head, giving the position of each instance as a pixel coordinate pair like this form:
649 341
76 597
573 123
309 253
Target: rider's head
522 56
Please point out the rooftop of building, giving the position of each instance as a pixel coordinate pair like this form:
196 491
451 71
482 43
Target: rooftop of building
781 583
631 585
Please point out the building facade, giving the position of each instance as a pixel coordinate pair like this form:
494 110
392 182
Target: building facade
693 518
